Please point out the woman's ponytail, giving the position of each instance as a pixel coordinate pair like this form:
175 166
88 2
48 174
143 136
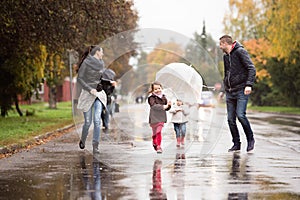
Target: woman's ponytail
84 55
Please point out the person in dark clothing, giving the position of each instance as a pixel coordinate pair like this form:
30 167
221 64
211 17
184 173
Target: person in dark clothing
239 76
108 77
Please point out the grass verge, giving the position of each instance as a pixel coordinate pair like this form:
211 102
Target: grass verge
16 129
277 109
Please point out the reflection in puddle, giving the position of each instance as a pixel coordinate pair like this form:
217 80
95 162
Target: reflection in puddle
237 196
156 191
92 182
238 172
239 169
96 180
83 177
178 174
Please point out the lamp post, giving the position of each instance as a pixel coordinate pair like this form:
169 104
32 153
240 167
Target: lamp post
73 57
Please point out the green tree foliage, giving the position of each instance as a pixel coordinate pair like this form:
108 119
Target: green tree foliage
282 21
26 26
245 19
286 80
163 54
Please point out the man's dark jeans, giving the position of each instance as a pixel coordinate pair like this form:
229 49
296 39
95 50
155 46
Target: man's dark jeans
236 108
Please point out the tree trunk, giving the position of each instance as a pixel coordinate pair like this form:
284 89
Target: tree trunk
3 112
52 97
17 106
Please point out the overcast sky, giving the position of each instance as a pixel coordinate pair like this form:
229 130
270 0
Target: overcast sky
183 16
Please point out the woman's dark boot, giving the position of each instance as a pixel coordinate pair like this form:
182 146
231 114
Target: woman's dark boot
96 148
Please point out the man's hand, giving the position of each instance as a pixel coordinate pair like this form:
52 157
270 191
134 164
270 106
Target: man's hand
247 90
220 96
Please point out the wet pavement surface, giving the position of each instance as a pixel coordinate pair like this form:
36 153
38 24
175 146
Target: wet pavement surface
128 167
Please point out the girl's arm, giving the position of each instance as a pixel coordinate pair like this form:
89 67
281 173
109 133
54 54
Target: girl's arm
168 106
173 110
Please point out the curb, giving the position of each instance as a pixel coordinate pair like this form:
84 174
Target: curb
37 140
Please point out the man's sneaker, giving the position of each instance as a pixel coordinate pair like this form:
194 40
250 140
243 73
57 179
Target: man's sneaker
235 148
159 150
250 146
81 145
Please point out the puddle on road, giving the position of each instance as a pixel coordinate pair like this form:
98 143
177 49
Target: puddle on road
83 177
65 173
279 120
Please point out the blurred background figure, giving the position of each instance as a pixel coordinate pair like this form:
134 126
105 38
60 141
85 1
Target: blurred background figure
108 83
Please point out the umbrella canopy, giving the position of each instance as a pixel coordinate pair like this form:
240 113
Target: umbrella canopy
184 81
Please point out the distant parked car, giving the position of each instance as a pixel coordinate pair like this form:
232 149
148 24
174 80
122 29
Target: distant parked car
207 99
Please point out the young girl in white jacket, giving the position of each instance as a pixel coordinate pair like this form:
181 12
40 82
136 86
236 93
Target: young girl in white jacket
179 119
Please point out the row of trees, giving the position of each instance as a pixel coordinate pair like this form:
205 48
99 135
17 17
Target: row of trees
201 52
269 29
37 37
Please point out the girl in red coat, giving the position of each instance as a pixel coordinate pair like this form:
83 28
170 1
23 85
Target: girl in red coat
158 116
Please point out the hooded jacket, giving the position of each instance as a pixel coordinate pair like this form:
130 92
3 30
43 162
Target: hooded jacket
157 112
239 69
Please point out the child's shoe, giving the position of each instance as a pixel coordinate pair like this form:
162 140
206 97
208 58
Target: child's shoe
159 150
155 147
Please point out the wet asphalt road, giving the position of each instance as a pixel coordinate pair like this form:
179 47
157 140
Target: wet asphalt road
128 167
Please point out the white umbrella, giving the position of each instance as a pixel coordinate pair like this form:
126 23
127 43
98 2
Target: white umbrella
184 81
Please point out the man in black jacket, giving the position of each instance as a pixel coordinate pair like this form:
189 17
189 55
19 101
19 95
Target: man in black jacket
239 76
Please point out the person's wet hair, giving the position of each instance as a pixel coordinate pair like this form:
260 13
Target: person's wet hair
89 50
95 49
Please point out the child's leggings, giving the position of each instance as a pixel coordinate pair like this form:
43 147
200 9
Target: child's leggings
156 133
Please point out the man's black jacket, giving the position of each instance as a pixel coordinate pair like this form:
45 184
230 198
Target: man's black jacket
239 69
